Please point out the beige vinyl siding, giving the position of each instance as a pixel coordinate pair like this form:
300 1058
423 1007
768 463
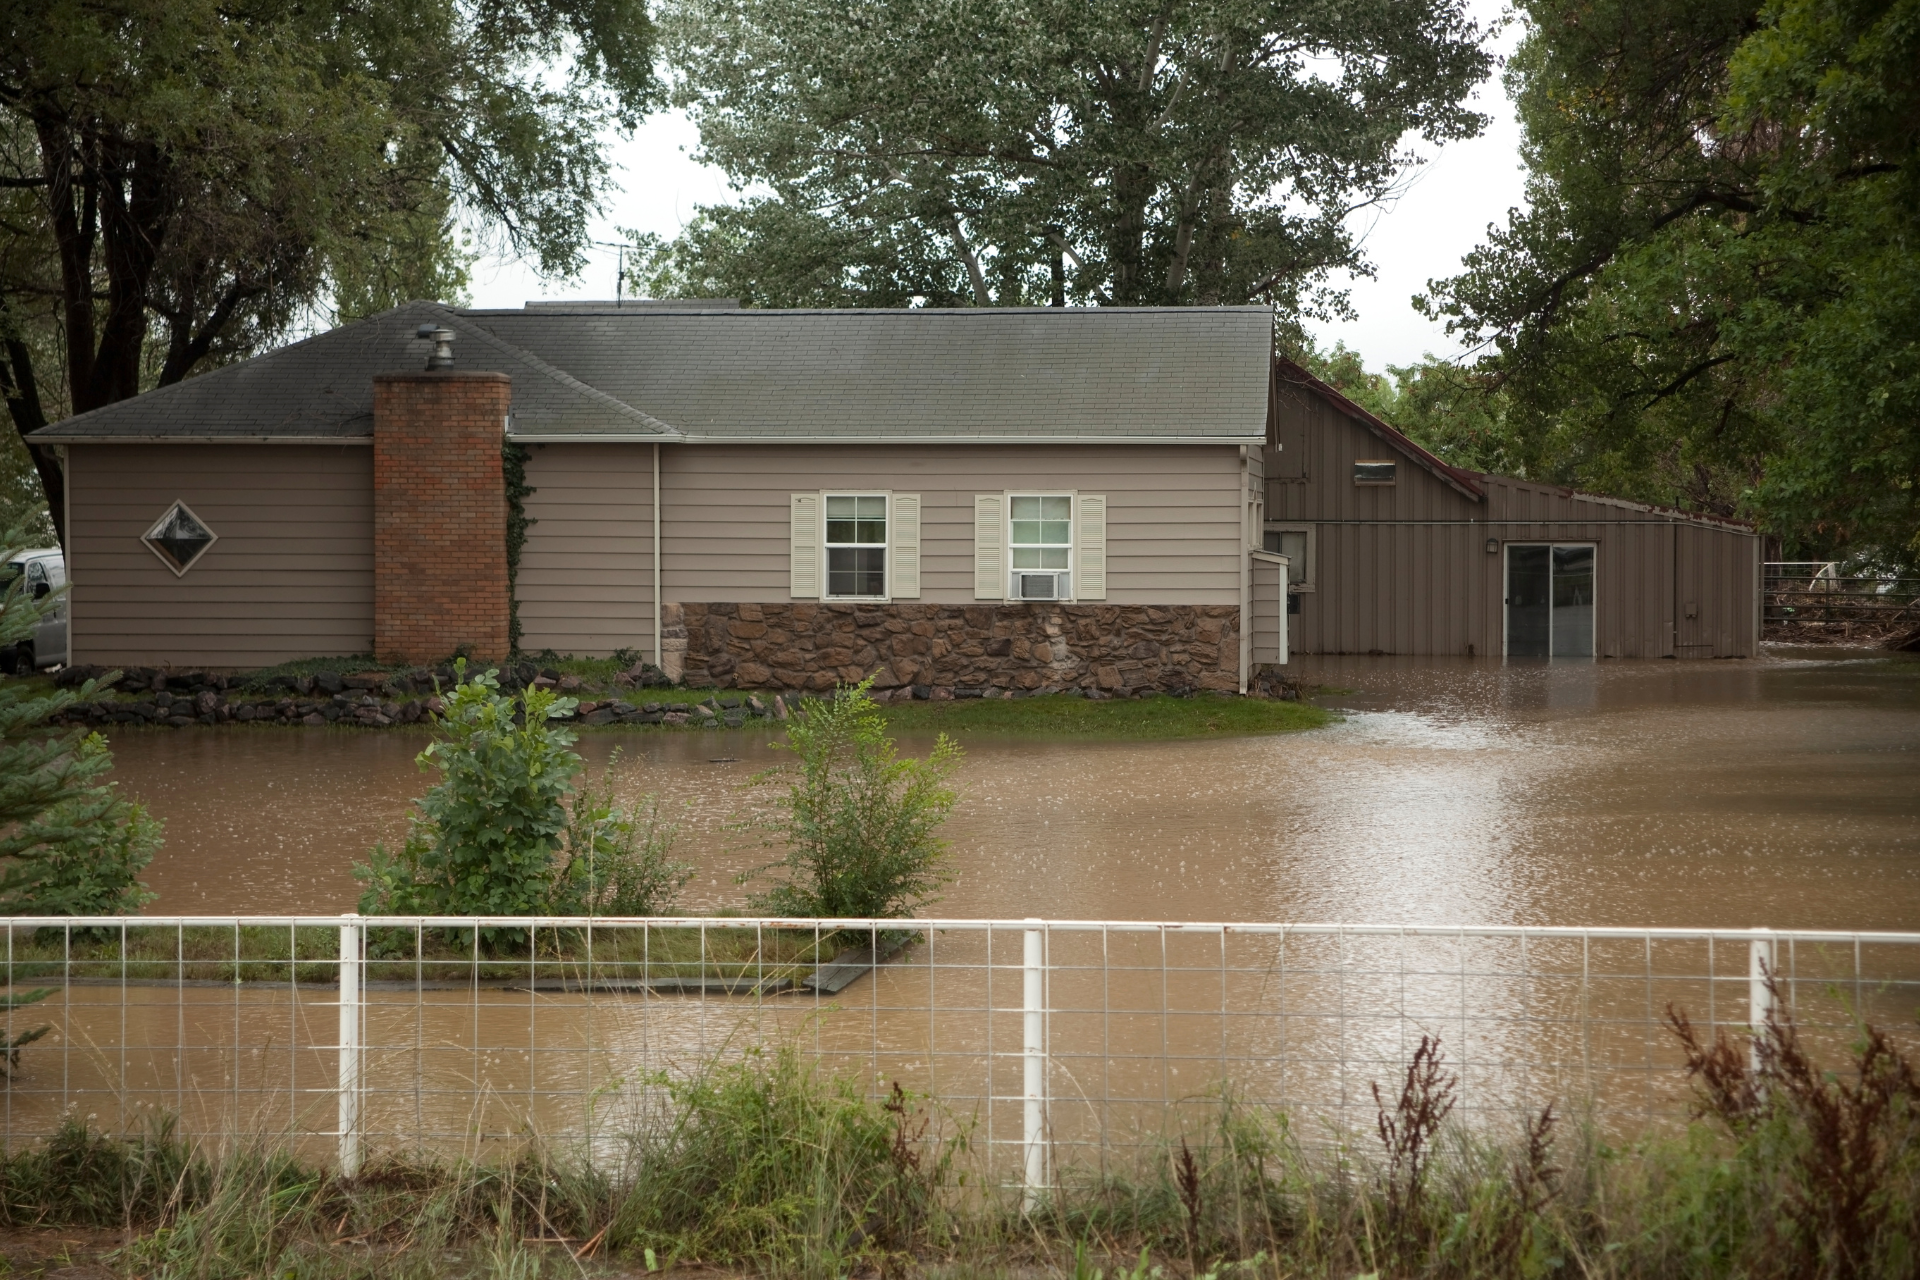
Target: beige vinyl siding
1173 512
290 577
585 584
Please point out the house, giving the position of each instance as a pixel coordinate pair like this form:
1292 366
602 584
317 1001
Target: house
1109 499
1014 499
1393 551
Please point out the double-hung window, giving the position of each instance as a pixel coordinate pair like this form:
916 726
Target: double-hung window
856 545
1040 538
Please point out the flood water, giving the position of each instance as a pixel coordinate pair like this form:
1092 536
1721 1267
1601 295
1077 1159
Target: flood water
1782 792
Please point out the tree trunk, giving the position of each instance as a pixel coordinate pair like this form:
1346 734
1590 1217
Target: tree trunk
22 392
1132 188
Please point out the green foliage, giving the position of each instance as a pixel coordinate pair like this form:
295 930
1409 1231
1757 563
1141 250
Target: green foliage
70 844
1712 297
23 504
495 835
1065 717
513 470
225 173
484 839
617 863
858 821
1013 152
765 1162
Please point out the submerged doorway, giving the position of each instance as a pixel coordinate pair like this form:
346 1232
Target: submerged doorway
1550 599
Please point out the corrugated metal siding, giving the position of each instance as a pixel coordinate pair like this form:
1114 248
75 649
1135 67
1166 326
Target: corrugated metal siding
290 577
585 584
1404 569
1173 512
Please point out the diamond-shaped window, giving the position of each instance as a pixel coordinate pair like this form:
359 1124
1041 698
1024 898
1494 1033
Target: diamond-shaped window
179 538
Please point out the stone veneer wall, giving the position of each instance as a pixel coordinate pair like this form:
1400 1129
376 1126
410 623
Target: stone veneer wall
1027 647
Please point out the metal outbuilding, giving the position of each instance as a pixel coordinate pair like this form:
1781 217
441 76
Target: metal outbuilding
1392 551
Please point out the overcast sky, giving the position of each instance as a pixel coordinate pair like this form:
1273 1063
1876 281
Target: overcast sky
1443 213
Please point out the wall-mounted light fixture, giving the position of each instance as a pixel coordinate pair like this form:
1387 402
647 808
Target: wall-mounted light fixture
1493 546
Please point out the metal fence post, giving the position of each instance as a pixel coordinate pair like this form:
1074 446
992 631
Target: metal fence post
1759 995
1034 1005
350 938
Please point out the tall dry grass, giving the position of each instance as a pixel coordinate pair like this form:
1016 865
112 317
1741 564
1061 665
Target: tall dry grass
1794 1169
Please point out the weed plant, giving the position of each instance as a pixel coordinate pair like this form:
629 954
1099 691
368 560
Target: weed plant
765 1166
857 822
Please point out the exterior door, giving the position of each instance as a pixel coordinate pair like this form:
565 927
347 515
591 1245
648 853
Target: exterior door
1549 599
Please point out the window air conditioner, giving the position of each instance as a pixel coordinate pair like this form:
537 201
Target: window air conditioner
1040 585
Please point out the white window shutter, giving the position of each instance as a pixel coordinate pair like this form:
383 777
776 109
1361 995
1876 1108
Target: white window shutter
904 538
1090 537
989 547
803 556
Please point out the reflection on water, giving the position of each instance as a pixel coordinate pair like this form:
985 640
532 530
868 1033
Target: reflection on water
1778 792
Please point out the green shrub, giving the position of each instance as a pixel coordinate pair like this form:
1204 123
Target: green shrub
858 821
72 844
766 1163
495 835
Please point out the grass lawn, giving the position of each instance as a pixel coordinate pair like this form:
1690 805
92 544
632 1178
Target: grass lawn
1062 716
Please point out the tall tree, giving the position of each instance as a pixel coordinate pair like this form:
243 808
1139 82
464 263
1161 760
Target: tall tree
1018 151
1714 295
217 171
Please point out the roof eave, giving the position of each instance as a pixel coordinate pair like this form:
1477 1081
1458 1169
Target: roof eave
39 437
604 437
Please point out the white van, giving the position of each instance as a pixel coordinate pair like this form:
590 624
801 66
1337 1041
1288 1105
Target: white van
46 572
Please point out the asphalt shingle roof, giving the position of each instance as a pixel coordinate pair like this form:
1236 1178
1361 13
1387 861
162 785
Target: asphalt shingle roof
673 372
1187 373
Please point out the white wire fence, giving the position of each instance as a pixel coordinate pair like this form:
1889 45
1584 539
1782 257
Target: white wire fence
1054 1041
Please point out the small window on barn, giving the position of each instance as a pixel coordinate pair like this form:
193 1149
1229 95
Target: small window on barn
1295 542
179 538
1373 471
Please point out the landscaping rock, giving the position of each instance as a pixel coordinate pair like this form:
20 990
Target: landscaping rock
315 719
328 682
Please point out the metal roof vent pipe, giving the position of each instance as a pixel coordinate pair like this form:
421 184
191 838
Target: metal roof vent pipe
442 339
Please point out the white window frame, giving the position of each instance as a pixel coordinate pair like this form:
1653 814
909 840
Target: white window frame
886 548
1376 462
1073 543
1306 583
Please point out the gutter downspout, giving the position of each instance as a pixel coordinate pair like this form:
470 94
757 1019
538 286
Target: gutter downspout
657 655
1246 575
66 542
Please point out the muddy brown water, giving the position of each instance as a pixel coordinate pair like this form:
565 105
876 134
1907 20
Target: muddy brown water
1782 792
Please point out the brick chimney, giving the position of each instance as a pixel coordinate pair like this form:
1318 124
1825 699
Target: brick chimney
439 513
